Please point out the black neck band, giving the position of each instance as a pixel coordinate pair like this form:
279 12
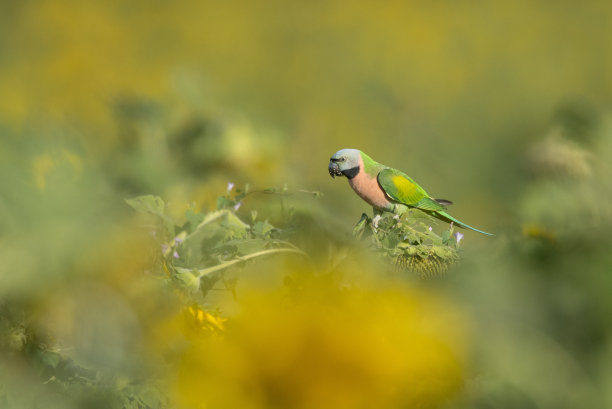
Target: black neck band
351 173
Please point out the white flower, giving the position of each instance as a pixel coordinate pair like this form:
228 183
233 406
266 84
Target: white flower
458 237
230 186
237 206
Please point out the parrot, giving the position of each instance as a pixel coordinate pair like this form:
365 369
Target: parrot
388 189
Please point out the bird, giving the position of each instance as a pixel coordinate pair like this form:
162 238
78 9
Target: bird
387 189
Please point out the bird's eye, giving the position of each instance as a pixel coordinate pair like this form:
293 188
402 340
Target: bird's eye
343 159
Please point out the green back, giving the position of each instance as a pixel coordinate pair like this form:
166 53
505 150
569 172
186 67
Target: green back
401 188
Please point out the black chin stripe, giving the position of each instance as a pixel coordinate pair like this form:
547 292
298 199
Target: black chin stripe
351 173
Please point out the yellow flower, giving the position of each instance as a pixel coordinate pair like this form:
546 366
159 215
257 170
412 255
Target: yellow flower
197 320
383 348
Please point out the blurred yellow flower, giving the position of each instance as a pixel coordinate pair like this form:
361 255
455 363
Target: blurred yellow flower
532 230
44 164
361 349
198 321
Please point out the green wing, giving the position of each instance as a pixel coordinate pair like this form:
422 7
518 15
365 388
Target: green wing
399 187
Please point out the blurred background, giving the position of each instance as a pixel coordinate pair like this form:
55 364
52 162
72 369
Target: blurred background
502 108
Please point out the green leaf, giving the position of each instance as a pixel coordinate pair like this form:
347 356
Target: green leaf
187 280
150 204
234 227
261 229
49 358
442 252
446 235
361 225
207 282
147 204
413 238
412 251
391 241
193 220
248 246
224 202
216 229
234 221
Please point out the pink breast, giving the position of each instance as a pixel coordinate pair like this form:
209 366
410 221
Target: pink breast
368 189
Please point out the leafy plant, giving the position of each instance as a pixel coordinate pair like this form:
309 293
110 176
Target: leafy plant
196 254
410 242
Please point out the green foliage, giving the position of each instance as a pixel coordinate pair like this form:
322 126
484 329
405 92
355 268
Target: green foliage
209 244
153 205
59 374
410 243
204 92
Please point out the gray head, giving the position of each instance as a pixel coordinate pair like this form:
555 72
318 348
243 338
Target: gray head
345 162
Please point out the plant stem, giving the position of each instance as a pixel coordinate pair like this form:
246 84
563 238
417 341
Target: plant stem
218 267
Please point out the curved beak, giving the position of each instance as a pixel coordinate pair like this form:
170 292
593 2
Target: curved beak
334 169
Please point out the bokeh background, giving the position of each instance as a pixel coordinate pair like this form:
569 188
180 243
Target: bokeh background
503 108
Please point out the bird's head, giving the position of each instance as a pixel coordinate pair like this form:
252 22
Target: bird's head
345 162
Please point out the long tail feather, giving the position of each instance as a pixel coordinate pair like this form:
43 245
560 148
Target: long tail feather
447 216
